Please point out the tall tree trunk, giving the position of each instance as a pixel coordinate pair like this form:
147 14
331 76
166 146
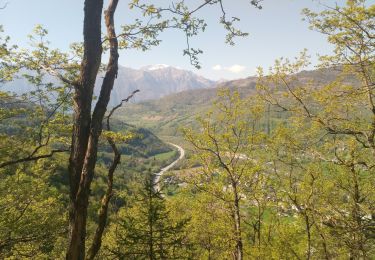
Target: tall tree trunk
308 234
87 128
151 220
82 120
237 224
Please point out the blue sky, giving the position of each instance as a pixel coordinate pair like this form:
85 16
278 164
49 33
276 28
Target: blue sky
276 30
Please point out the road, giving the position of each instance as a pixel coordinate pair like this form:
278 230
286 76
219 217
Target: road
168 167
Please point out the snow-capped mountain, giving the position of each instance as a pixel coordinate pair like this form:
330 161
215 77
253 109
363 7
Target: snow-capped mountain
154 81
155 67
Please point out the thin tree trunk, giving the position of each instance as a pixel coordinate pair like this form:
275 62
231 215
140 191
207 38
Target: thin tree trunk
103 212
107 86
237 224
308 233
82 120
151 221
324 244
82 171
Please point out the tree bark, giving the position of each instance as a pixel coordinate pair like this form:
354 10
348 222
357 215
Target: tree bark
87 127
237 224
308 233
103 212
81 129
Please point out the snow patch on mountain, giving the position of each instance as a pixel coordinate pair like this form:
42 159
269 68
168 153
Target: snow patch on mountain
155 67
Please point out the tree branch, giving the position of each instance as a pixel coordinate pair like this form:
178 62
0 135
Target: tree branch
103 212
33 157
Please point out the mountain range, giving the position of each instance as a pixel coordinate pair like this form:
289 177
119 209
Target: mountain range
166 116
153 81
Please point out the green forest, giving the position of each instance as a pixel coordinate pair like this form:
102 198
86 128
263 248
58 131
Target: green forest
276 166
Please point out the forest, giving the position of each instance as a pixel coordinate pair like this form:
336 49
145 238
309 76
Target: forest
282 168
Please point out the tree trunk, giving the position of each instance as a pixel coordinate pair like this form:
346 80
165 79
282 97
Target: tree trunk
308 233
81 130
237 224
87 128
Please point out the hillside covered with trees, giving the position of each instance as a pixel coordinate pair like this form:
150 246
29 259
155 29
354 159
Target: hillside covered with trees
277 166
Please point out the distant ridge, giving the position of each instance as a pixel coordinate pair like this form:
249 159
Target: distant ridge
167 115
153 81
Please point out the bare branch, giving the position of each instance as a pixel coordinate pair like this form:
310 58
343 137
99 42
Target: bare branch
58 75
33 157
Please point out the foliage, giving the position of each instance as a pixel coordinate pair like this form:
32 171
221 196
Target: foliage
287 173
225 147
32 215
36 123
323 153
144 229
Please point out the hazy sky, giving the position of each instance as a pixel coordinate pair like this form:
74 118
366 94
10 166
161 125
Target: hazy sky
276 30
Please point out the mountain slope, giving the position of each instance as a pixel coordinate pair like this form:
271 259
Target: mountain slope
168 114
154 82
